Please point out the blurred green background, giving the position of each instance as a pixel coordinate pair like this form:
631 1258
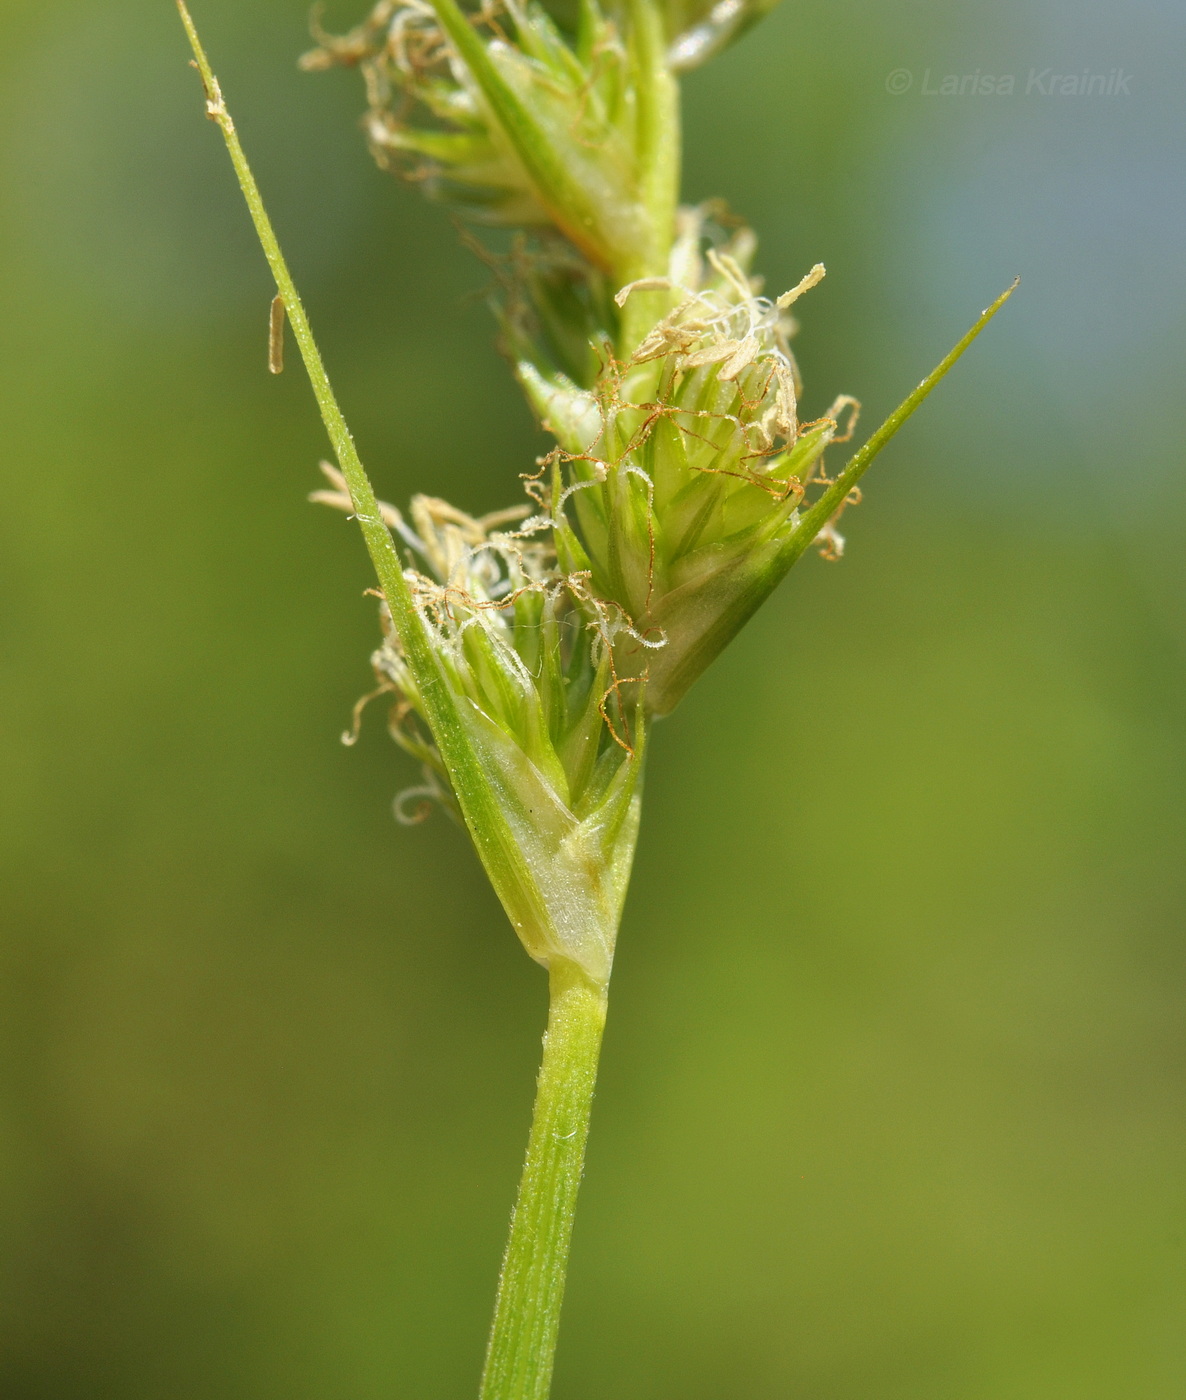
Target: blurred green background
893 1097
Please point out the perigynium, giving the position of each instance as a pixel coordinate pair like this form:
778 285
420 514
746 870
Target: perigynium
526 653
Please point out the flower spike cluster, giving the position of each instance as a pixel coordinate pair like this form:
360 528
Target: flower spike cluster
680 476
497 113
528 653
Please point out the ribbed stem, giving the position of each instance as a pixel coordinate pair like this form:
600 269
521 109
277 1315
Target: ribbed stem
658 154
522 1345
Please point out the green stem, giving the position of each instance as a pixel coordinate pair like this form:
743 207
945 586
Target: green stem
531 1286
658 132
657 150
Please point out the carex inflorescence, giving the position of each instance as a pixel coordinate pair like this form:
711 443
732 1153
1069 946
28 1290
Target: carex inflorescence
684 481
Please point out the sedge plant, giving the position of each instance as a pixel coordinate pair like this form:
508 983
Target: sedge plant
527 653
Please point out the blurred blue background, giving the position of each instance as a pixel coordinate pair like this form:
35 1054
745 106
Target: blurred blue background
892 1102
